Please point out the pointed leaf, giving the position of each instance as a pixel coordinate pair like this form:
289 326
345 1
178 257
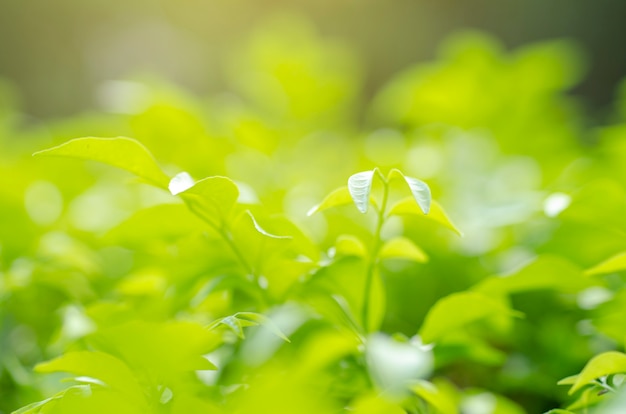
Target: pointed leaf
571 380
407 206
402 248
613 264
607 363
457 310
125 153
360 186
338 197
104 367
419 189
211 198
348 245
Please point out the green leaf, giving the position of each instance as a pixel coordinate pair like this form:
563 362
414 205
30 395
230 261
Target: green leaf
419 189
348 245
36 407
545 272
260 229
613 264
559 411
125 153
99 365
607 363
338 197
457 310
408 207
402 248
360 186
211 198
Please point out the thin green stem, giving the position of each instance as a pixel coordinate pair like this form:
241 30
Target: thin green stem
373 260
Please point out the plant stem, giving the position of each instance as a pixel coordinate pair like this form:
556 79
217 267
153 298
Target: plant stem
373 260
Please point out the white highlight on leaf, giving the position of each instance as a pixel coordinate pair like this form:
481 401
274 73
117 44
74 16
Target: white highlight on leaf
181 182
479 404
593 297
394 365
421 193
360 186
261 230
556 203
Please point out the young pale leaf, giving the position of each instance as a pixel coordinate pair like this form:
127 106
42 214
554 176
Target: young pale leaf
360 186
607 363
104 367
419 189
613 264
408 207
125 153
457 310
348 245
402 248
211 198
338 197
181 182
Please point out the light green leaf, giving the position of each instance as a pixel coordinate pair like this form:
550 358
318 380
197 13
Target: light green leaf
613 264
559 411
545 272
607 363
348 245
338 197
241 320
571 380
402 248
419 189
211 198
263 320
36 407
408 207
99 365
457 310
125 153
360 186
261 230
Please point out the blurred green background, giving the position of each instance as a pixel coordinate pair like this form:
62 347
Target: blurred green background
513 112
58 52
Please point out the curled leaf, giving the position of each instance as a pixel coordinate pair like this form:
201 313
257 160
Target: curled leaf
360 186
419 189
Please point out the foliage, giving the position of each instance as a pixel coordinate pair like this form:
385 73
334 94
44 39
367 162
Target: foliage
315 268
